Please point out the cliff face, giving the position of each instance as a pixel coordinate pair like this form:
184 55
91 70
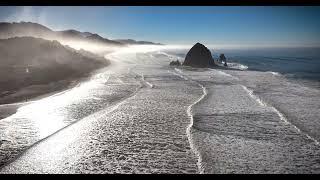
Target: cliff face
199 56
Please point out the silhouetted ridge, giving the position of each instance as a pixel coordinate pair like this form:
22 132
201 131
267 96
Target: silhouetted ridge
19 29
199 56
131 41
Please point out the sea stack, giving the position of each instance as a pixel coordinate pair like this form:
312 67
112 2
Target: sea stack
199 56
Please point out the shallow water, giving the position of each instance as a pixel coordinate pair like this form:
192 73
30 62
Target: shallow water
145 133
142 116
237 128
301 65
38 120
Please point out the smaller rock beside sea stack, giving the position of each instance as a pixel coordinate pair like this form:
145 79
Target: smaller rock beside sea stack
199 56
175 63
223 59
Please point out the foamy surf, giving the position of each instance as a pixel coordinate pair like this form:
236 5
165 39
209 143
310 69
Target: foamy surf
237 66
189 113
281 116
179 73
225 74
274 73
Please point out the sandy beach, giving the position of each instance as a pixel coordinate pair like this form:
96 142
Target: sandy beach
152 118
10 103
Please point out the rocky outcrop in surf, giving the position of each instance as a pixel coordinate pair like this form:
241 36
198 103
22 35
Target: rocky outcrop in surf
199 56
223 59
175 63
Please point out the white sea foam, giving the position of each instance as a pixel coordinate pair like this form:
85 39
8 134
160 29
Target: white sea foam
178 74
148 83
281 116
221 73
189 112
274 73
178 70
250 92
237 66
224 74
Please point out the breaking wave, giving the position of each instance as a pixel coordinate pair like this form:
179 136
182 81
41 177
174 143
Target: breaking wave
237 66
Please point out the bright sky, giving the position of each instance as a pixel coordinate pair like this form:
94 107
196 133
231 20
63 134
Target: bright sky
229 25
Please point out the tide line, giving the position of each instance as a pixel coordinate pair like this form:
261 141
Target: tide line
281 116
189 113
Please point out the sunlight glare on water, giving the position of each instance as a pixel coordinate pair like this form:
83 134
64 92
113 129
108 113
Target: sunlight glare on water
48 114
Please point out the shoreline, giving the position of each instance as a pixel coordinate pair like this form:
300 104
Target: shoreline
11 108
129 141
234 117
38 92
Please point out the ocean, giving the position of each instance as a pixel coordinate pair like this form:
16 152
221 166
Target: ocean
298 64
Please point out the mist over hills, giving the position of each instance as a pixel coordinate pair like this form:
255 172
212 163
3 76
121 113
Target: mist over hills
131 41
15 29
34 55
27 61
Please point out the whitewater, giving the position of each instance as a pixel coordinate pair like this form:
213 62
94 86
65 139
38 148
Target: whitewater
142 116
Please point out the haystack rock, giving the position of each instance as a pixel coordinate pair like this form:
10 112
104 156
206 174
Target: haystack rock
199 56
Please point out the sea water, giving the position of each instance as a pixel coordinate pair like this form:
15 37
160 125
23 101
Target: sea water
299 64
257 119
261 119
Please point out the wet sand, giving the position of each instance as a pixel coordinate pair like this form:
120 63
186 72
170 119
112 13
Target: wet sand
152 118
10 103
144 133
236 129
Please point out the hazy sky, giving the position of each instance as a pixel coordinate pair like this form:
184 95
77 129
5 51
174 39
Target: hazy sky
297 26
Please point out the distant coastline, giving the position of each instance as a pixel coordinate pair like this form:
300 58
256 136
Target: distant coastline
27 74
